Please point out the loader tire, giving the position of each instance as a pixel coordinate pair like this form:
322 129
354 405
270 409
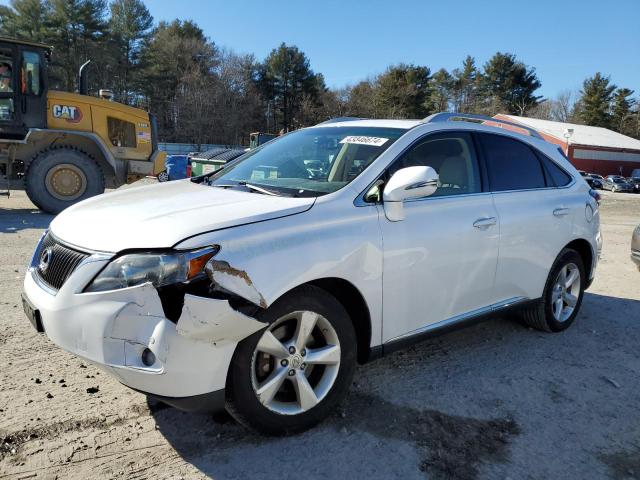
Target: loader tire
61 176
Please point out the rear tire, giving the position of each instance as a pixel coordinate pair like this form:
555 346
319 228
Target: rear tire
60 177
559 306
300 382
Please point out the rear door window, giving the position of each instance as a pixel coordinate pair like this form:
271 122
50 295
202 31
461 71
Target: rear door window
511 164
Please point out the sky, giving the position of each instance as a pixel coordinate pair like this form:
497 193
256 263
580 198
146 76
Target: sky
347 40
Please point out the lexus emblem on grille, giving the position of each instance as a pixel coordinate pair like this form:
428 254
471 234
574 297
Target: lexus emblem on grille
45 259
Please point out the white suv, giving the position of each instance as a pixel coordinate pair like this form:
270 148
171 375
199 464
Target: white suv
258 287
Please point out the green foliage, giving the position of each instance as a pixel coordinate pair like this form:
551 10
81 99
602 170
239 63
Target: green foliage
177 55
442 91
285 79
403 91
465 86
130 26
508 85
76 29
595 101
25 19
621 111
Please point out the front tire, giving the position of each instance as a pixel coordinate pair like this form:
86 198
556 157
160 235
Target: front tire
562 296
288 377
60 177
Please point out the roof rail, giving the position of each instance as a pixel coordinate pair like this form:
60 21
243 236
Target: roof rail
341 119
472 117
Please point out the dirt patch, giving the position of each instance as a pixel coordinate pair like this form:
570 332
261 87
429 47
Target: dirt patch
10 443
622 465
450 446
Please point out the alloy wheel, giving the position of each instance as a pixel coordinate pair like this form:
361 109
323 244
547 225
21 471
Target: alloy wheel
565 292
295 363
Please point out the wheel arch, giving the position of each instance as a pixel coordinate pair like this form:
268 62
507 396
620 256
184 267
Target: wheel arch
354 303
87 142
585 250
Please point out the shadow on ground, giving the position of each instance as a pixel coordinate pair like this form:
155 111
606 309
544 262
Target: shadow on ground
14 220
448 446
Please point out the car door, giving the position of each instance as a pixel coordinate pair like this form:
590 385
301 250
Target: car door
535 216
440 261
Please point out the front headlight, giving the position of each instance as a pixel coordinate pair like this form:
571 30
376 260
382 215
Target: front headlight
160 269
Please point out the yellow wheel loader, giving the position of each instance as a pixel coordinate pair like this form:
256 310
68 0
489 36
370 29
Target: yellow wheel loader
67 146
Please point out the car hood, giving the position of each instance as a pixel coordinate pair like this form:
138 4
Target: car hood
161 215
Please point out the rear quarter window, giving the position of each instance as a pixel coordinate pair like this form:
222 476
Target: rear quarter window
511 164
557 176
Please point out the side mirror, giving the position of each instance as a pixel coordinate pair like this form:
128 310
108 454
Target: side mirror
406 183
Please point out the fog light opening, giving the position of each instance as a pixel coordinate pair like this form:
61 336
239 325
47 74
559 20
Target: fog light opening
148 357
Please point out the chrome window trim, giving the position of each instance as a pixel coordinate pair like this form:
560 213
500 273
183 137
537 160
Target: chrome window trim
569 185
458 318
444 197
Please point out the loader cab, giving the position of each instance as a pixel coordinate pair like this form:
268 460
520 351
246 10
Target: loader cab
23 87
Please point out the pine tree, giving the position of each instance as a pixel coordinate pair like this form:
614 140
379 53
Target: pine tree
77 31
509 85
465 86
25 19
404 91
442 84
130 25
285 78
595 102
622 114
178 56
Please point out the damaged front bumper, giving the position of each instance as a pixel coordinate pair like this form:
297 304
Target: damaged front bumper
114 329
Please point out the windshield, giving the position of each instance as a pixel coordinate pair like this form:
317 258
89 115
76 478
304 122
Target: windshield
619 180
309 162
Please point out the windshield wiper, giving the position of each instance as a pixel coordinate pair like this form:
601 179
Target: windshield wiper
250 186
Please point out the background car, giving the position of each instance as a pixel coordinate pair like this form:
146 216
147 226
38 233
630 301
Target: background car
635 182
598 180
616 183
593 182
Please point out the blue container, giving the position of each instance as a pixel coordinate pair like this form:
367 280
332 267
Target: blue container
176 166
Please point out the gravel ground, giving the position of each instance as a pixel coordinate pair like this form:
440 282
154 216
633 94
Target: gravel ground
496 400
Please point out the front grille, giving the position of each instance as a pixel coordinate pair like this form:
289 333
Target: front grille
56 262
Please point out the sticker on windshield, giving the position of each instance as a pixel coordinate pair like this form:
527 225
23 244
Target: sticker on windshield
359 140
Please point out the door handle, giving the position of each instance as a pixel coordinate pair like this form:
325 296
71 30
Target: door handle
484 222
561 212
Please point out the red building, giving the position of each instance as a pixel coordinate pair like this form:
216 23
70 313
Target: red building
592 149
